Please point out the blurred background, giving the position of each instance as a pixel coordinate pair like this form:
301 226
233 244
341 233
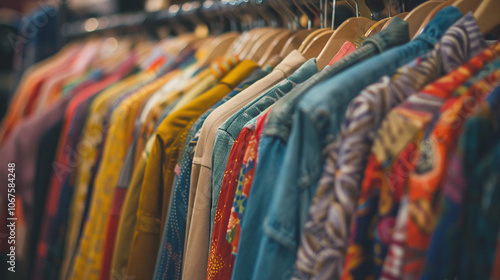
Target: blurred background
30 30
22 31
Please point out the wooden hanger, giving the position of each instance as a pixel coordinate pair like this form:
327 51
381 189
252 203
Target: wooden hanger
377 27
433 13
184 41
418 15
256 35
466 6
109 59
275 47
487 16
237 44
241 43
314 43
314 32
311 37
349 30
202 42
295 41
143 50
263 44
279 42
401 16
314 48
218 47
179 43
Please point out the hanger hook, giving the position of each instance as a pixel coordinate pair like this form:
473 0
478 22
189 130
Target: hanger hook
323 7
312 10
325 14
292 18
266 13
321 14
357 7
275 5
334 3
303 12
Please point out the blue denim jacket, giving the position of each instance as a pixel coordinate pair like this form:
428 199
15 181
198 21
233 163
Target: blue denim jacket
316 122
275 135
279 121
231 128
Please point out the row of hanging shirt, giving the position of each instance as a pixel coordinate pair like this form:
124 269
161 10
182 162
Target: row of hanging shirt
189 160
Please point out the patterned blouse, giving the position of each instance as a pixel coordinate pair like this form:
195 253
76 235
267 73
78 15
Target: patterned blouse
324 243
390 164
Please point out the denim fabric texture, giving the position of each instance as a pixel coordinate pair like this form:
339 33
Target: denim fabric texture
200 193
229 130
271 150
274 139
316 123
279 121
170 254
160 172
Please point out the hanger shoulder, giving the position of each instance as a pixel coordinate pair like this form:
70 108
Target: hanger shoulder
239 44
353 28
313 40
294 42
255 35
401 16
466 6
417 16
376 27
314 48
262 44
275 47
310 38
433 13
349 30
487 16
188 41
219 46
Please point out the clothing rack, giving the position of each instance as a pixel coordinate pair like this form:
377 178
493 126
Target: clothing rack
185 14
95 25
116 145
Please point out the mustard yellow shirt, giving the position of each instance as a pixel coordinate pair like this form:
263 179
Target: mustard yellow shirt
159 174
89 254
128 218
87 150
206 78
169 94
